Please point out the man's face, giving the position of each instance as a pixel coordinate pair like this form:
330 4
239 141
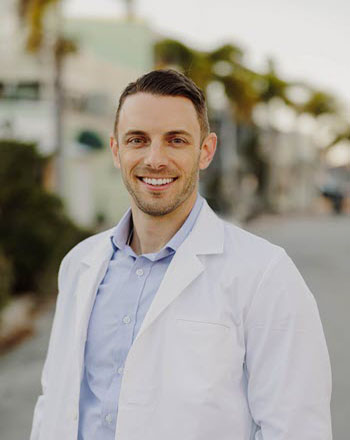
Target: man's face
159 153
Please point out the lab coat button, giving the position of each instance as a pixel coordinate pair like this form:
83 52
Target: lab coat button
75 416
120 370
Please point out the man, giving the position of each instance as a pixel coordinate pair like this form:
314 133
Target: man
176 325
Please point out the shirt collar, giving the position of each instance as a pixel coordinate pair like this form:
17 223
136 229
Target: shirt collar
177 239
121 232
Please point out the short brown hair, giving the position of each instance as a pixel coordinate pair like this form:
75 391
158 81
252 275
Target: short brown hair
168 83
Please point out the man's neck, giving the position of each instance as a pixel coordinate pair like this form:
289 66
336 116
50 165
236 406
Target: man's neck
152 233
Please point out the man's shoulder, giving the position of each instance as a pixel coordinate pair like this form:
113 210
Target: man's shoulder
83 248
248 246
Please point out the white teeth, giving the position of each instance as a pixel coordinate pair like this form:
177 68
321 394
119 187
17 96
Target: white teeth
156 182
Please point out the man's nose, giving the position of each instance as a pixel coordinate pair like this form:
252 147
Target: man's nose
156 155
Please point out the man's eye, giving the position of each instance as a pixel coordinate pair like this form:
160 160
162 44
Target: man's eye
135 141
177 141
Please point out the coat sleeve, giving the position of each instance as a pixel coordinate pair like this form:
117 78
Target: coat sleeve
40 404
287 362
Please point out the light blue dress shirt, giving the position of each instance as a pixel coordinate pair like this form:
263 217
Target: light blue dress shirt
122 301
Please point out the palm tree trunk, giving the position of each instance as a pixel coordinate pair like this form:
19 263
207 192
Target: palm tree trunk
58 122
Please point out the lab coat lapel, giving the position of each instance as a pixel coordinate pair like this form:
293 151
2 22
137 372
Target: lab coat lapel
205 238
93 268
184 268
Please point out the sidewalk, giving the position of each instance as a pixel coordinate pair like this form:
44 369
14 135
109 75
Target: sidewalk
20 371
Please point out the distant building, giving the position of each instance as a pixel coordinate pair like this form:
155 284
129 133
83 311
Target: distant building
258 169
294 162
111 53
26 103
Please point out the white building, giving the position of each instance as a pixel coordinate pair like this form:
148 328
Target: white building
294 162
25 84
111 53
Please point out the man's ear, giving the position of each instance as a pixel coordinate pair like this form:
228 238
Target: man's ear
115 150
207 151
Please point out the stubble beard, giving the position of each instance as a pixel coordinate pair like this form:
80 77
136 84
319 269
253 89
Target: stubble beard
165 206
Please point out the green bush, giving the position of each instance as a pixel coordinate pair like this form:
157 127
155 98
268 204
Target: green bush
35 232
6 279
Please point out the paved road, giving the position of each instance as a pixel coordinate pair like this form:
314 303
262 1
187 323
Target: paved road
321 249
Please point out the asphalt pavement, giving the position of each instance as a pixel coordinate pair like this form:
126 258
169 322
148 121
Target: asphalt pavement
320 247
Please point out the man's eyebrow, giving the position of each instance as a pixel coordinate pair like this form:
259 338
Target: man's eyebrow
135 132
168 133
177 132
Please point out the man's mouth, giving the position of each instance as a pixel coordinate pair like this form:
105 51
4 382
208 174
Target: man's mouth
157 182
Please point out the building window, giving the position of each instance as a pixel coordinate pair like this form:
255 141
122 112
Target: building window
93 103
27 91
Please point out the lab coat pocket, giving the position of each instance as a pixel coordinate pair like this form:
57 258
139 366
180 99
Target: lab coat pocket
202 326
204 352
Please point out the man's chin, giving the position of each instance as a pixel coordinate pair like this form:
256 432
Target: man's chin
156 211
156 208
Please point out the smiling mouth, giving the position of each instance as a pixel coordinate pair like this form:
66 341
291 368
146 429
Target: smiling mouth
156 181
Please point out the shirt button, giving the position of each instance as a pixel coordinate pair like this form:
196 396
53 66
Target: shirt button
109 418
120 370
139 272
126 319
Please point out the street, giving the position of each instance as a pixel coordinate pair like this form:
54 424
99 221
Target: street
320 247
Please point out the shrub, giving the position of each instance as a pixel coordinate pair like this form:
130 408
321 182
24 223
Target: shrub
35 232
6 279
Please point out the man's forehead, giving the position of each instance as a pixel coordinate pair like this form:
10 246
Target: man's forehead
144 110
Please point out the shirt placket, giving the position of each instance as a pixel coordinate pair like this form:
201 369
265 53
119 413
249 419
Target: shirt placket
137 279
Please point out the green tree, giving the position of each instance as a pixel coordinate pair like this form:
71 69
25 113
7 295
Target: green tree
35 233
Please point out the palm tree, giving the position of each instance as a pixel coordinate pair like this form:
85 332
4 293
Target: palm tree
319 103
172 53
223 65
32 14
244 89
340 137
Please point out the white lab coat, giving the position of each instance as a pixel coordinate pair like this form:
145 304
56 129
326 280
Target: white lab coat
232 347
